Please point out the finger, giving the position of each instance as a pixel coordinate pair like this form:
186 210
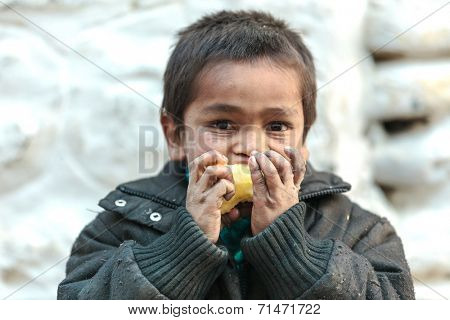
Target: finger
214 173
298 164
282 165
199 164
271 176
220 189
259 184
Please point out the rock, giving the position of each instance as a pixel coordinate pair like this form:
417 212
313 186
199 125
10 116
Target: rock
30 94
19 51
411 89
35 4
415 158
137 43
424 233
48 19
38 229
105 125
438 289
408 28
25 146
122 55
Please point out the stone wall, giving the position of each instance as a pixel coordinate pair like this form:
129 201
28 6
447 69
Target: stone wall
79 78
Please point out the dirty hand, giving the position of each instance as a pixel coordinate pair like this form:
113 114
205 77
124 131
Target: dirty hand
210 181
277 190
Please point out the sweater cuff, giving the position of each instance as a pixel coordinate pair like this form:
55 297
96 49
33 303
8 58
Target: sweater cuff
286 257
183 263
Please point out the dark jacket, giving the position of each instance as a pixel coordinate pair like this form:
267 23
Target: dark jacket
145 245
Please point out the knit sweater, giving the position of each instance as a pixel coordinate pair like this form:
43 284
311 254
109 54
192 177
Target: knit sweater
146 245
232 235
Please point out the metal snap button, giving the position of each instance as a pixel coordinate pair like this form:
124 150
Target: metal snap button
155 216
120 203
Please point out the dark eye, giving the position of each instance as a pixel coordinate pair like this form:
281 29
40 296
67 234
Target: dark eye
222 125
278 126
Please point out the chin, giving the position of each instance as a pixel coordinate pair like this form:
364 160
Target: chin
245 208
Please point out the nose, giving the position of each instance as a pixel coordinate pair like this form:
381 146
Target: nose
249 139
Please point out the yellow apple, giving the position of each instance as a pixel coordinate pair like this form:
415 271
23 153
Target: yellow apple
243 187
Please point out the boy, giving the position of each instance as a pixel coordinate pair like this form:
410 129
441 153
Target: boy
300 238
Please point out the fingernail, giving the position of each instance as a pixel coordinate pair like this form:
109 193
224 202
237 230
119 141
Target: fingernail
253 152
287 148
253 161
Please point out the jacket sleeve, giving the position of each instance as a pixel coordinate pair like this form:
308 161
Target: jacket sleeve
180 264
295 265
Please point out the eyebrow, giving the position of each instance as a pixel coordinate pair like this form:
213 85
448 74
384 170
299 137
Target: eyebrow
228 108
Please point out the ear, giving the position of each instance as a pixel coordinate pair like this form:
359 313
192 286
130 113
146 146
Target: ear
174 143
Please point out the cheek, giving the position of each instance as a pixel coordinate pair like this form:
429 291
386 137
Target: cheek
278 143
289 139
201 142
213 141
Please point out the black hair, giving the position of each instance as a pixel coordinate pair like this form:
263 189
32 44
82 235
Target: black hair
235 36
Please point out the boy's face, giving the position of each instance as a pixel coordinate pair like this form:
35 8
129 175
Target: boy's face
240 107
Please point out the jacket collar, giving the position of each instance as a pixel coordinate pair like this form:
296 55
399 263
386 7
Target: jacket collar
167 191
169 185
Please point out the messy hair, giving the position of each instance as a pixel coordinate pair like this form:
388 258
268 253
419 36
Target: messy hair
241 36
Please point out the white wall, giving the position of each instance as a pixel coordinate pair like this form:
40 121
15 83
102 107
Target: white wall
69 129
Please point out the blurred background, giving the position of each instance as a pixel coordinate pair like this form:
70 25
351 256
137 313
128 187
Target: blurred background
78 79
